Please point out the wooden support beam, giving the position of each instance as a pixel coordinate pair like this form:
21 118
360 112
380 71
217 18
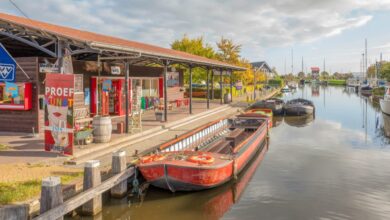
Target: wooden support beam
190 89
208 90
92 178
165 72
231 86
118 166
220 85
212 85
127 106
51 194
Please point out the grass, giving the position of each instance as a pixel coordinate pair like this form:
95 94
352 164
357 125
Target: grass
378 91
337 82
22 191
3 147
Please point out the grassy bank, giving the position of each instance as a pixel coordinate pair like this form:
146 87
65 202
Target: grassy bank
337 82
378 91
14 189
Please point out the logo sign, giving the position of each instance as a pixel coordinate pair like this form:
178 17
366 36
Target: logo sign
115 70
48 68
7 66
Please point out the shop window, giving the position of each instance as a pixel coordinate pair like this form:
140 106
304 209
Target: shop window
15 96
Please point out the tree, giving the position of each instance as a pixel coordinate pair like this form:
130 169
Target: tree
195 46
324 75
301 75
228 51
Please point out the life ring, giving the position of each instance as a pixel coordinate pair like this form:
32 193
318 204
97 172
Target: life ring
151 158
201 159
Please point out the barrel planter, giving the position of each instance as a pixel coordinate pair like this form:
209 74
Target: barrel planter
102 129
227 98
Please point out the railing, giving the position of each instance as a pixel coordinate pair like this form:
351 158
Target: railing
192 139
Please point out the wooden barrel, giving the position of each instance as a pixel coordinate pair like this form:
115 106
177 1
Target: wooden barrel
102 129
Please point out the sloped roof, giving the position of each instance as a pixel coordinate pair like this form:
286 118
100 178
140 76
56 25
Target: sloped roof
109 42
261 64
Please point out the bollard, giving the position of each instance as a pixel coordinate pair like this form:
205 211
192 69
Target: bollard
92 178
119 165
51 194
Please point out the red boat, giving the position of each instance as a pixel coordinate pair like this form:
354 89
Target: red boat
207 156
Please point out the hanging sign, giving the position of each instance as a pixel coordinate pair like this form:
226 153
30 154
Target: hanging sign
59 118
49 68
7 66
115 70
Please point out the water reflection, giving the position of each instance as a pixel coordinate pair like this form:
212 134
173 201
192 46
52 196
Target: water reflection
386 124
299 121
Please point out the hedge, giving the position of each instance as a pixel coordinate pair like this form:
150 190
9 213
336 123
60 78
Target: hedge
337 82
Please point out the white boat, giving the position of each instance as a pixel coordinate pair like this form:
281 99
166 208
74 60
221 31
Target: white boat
385 102
353 82
286 89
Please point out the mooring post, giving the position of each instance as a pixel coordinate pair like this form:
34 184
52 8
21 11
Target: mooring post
92 178
119 165
51 194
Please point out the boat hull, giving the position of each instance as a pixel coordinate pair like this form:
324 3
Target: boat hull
385 106
298 110
182 176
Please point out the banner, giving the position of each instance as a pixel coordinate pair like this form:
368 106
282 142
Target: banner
59 118
11 89
7 66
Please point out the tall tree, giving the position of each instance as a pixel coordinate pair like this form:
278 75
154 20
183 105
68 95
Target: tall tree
195 46
228 51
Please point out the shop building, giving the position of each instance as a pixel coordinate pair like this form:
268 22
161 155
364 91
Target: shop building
109 77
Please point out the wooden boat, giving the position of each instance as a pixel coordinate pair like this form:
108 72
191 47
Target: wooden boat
262 113
273 103
297 107
385 102
207 156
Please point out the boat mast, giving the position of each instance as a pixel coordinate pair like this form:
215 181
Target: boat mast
292 61
366 58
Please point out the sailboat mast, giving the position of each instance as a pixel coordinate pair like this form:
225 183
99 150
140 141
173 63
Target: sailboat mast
366 58
292 61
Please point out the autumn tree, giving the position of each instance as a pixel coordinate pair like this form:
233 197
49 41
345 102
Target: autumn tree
198 47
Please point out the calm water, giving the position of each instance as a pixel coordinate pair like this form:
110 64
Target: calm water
335 166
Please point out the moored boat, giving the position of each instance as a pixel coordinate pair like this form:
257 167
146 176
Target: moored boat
262 113
385 102
275 104
286 89
207 156
366 90
297 107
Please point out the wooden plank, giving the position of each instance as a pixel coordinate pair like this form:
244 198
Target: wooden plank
85 196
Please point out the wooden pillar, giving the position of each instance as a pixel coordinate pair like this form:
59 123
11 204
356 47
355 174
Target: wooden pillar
190 89
51 194
165 91
220 85
127 69
119 165
208 90
92 178
212 84
254 84
231 86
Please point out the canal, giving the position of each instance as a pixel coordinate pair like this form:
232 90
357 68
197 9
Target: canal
333 166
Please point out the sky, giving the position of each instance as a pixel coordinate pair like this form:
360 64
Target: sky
315 30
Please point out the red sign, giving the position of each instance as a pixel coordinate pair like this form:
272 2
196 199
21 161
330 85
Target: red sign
59 91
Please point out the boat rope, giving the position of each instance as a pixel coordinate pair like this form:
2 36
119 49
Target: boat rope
136 189
166 178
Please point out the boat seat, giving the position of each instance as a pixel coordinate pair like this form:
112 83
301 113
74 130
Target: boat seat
221 146
234 136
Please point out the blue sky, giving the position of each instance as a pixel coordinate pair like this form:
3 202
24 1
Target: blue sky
267 30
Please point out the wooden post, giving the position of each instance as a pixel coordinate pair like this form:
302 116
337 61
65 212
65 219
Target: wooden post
212 84
119 165
51 194
231 86
127 69
208 90
165 91
220 85
190 89
92 178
